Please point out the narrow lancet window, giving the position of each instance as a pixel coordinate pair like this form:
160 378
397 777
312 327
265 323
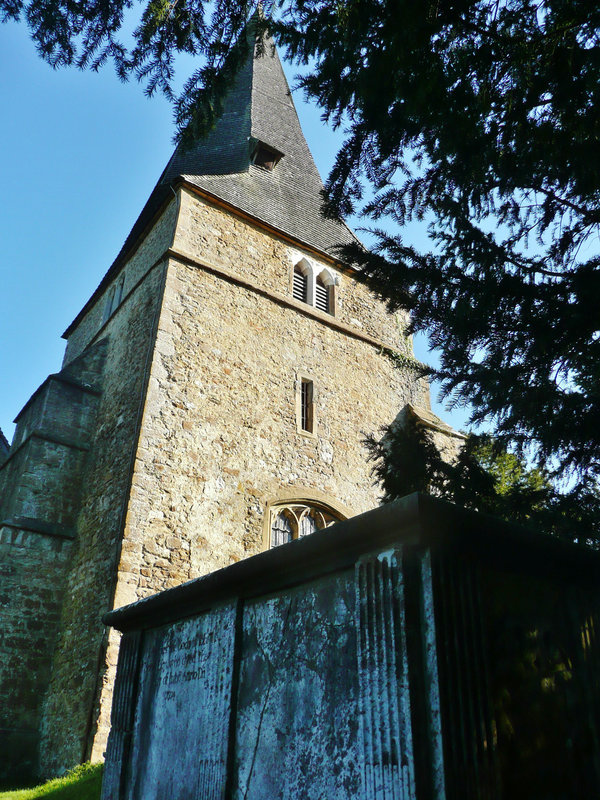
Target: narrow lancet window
306 406
108 306
281 529
119 293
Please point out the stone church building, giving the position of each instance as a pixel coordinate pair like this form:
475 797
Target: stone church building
212 403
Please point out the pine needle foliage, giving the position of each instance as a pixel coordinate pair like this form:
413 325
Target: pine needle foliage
481 117
484 477
485 121
406 460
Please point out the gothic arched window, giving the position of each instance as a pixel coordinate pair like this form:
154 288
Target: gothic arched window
317 290
297 519
301 283
323 292
282 530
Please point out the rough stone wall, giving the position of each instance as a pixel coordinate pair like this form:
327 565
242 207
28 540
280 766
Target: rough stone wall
63 402
219 438
40 478
217 237
33 570
67 706
208 376
42 482
220 431
4 447
32 575
40 489
129 331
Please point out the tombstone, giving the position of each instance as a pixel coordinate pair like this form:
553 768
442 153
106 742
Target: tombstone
416 651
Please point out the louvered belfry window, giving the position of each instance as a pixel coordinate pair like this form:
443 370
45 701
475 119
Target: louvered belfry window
300 291
321 295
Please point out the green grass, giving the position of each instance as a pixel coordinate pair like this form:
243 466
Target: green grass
82 783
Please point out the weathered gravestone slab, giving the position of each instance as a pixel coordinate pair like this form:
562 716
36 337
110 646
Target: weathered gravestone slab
298 692
183 706
415 652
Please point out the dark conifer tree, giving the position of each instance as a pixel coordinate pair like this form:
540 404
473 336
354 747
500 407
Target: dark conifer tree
484 477
485 120
406 460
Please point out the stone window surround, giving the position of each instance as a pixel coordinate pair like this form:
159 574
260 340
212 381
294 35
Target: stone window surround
312 272
302 377
301 495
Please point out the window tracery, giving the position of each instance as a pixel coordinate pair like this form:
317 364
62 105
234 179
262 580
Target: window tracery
295 520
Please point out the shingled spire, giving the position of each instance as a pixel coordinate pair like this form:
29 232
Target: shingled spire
260 126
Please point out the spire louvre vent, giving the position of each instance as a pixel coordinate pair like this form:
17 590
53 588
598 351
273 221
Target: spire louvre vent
265 156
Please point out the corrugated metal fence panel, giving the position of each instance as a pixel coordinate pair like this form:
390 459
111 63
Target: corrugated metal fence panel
182 716
117 751
296 724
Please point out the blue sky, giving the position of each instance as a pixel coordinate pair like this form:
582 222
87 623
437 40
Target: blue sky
80 153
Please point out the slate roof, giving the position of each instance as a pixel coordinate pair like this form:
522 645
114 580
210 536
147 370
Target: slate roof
259 107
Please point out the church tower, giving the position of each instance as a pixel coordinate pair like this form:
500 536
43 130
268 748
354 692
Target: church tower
213 399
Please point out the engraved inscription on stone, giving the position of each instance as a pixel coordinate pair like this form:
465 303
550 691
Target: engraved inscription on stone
182 716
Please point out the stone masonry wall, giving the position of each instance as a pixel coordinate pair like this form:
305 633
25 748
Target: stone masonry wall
33 569
130 330
60 402
219 438
217 237
218 431
43 482
40 489
40 478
